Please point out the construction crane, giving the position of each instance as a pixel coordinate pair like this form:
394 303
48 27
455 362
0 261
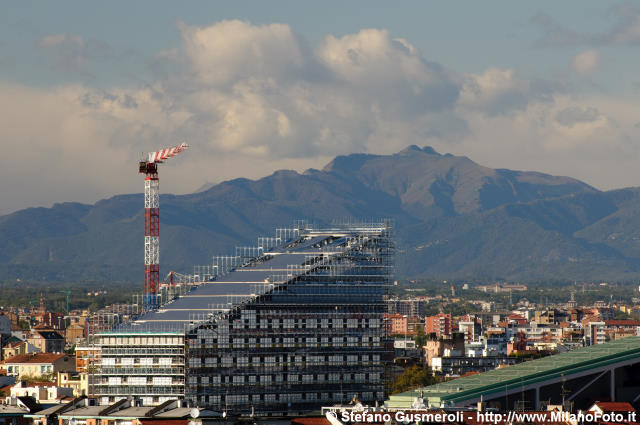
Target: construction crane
149 168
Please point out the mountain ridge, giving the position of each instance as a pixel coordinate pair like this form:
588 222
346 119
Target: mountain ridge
454 218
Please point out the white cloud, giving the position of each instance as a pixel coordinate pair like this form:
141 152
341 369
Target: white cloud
501 91
260 90
71 53
251 99
231 51
59 39
586 62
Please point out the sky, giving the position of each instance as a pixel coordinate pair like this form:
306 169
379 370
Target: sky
253 87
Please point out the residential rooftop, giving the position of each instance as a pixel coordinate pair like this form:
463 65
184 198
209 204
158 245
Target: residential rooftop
522 374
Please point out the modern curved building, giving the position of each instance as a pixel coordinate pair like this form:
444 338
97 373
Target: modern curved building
296 325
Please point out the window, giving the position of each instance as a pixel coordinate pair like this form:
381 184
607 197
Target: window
265 379
161 380
137 380
335 360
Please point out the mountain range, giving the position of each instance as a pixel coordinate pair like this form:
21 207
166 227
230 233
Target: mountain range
453 219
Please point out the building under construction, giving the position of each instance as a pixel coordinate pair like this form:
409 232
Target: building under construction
278 329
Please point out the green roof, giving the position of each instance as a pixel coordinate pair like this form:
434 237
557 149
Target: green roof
523 374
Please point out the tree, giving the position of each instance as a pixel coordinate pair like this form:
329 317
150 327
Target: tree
413 377
421 338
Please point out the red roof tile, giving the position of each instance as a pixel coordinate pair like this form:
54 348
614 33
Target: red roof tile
310 421
34 358
615 406
164 421
622 322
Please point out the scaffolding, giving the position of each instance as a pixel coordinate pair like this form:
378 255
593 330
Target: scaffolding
111 316
312 333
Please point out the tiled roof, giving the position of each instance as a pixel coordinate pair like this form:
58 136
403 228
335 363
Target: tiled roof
34 358
149 421
49 334
310 421
615 406
622 322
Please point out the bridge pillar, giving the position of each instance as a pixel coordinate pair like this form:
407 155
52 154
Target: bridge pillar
536 401
612 384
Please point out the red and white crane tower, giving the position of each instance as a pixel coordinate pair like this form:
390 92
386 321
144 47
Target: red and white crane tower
152 222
